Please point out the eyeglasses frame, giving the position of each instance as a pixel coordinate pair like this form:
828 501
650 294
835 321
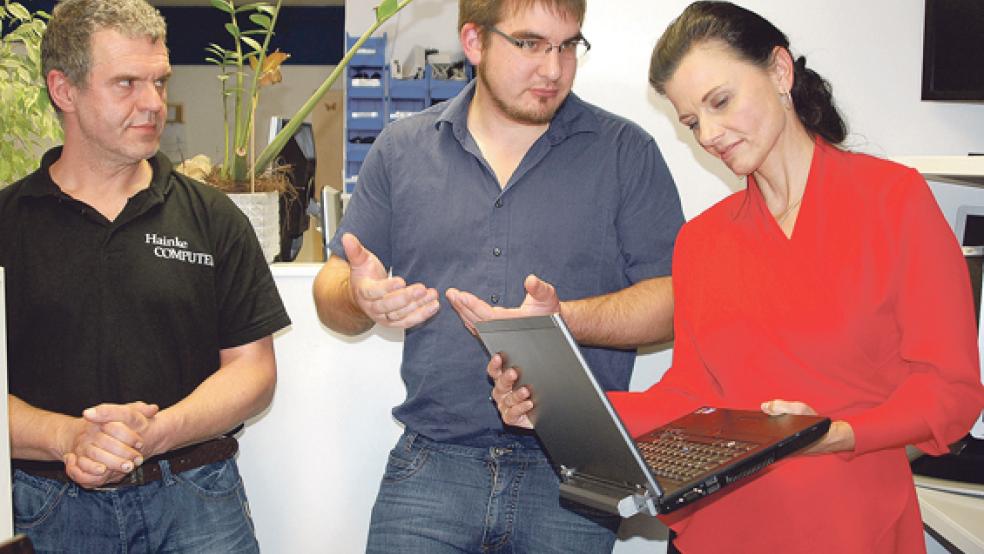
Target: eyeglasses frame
560 48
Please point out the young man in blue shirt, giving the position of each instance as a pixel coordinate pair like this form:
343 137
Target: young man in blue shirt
516 176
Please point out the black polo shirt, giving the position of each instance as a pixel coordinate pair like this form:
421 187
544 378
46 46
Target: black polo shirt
132 309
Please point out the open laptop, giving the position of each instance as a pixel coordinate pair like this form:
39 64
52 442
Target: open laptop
600 465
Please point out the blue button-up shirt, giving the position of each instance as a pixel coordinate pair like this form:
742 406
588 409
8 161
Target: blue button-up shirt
591 208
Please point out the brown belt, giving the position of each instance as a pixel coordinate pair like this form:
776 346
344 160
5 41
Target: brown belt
181 459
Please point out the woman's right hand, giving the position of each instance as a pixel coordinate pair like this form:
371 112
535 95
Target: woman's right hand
513 404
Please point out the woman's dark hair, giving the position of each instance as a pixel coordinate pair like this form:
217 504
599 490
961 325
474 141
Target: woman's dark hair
753 38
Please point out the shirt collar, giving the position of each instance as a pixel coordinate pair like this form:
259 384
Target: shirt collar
40 183
574 116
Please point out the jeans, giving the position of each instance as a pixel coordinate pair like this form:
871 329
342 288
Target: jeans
200 510
439 497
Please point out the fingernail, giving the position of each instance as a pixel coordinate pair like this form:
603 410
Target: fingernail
138 446
139 461
89 412
127 467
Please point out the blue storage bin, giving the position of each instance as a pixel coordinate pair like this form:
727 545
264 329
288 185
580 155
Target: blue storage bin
408 89
365 114
371 53
442 89
398 108
365 88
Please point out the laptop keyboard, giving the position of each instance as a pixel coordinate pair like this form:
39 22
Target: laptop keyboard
677 455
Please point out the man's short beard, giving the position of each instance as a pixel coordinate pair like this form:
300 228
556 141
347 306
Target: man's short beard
516 114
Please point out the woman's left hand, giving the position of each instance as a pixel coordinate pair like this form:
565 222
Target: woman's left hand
840 437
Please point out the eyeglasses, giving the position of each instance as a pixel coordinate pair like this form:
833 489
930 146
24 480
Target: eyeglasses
538 48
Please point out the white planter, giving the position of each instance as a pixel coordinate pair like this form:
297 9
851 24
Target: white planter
263 211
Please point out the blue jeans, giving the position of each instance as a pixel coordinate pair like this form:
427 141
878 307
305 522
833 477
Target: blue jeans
199 510
438 497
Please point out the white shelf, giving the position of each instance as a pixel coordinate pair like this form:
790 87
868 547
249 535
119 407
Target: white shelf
959 518
962 170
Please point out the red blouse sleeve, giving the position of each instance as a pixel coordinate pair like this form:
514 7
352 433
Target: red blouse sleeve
942 394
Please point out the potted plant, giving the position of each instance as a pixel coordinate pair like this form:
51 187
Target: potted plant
242 171
28 124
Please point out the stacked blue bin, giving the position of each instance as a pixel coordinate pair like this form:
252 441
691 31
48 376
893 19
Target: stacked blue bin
374 99
439 90
404 97
365 98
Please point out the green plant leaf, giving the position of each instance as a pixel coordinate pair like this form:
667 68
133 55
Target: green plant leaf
233 30
386 9
267 8
261 20
223 5
252 44
19 11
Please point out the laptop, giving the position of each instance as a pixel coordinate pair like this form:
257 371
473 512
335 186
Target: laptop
599 464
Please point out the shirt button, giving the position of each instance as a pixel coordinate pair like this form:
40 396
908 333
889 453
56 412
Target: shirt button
496 251
494 298
498 203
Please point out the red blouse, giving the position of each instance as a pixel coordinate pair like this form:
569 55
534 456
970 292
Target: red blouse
865 314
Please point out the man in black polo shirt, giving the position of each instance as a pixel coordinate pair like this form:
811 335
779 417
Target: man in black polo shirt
140 312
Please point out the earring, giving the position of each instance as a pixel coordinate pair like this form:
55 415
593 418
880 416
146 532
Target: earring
786 99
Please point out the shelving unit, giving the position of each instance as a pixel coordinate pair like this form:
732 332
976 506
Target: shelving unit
439 90
960 170
365 102
406 97
374 99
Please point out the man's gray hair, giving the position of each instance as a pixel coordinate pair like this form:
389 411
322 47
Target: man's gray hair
67 43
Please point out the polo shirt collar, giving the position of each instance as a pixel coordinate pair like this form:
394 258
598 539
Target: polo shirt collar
573 117
41 185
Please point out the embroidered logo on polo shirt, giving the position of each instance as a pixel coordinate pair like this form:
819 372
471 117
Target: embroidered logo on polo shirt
173 248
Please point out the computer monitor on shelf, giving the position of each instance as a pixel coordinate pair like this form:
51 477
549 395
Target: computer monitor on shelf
969 228
300 155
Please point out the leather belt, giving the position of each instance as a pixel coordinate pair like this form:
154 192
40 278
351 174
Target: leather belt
179 460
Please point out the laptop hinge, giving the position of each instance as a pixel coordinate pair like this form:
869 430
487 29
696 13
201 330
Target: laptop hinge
604 495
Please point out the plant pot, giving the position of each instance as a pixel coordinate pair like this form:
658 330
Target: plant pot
263 211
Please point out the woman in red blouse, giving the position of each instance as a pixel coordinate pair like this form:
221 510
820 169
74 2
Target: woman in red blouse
832 284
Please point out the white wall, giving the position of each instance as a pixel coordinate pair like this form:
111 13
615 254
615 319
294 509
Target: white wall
871 52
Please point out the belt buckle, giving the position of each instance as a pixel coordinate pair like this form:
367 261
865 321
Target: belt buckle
134 478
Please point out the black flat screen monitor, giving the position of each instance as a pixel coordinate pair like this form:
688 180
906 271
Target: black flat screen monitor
300 155
953 50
